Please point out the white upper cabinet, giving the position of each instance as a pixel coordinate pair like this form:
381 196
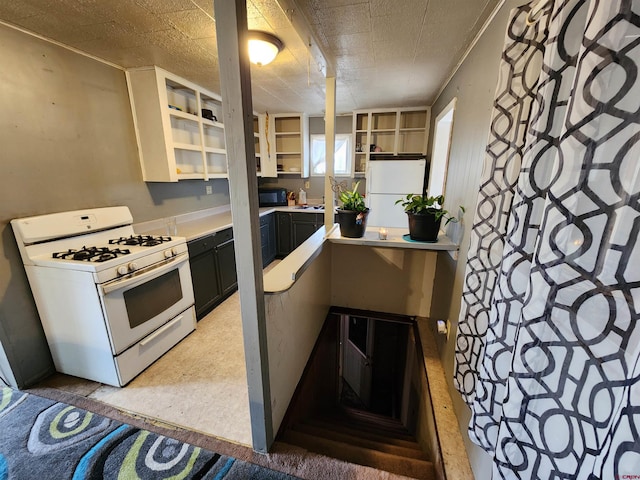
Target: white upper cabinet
178 126
287 142
265 161
389 131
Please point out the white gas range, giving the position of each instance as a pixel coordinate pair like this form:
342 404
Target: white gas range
111 302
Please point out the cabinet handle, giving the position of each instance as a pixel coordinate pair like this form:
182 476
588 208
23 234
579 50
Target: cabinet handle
160 331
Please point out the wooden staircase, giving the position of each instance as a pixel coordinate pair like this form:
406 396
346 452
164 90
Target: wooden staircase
363 438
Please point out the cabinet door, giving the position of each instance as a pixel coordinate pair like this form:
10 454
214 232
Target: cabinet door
206 287
268 238
227 267
272 251
264 242
264 147
304 225
361 122
284 234
302 231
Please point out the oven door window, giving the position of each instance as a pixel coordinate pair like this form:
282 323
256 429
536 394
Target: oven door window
150 299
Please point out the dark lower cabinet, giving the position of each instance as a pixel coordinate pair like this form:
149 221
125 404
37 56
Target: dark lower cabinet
213 270
213 262
268 238
204 276
295 228
301 231
227 267
285 241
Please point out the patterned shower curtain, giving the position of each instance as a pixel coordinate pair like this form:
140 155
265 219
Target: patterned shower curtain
548 345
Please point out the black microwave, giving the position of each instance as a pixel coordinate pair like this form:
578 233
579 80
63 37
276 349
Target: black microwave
272 197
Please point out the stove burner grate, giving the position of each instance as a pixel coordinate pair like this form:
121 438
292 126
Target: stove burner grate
141 240
92 254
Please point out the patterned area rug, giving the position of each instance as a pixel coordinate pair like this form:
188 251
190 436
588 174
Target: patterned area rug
42 439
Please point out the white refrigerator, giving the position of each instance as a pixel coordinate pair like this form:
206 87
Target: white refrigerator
387 182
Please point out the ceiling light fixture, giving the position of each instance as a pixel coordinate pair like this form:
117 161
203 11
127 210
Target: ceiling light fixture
263 47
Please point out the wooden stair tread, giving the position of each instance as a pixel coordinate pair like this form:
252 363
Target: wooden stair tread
410 467
354 438
398 431
364 416
342 427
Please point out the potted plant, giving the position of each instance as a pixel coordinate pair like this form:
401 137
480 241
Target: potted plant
352 217
425 214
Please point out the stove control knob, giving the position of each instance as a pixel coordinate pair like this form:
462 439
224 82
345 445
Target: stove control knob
133 266
174 251
123 270
168 254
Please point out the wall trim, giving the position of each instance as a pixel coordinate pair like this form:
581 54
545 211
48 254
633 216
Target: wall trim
473 43
60 44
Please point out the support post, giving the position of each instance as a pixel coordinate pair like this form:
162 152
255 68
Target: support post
330 148
235 82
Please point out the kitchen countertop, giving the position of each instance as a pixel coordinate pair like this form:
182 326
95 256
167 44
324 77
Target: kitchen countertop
284 275
395 239
205 222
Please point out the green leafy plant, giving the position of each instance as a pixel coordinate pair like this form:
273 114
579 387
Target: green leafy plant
352 200
424 204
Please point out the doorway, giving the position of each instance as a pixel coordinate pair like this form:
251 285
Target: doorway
372 364
441 148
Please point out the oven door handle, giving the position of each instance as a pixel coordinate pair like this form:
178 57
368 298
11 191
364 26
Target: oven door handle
160 331
145 274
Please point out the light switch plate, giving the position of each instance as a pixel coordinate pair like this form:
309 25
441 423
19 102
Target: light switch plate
209 189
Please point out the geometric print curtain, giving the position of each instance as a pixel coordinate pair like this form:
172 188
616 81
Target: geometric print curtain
548 345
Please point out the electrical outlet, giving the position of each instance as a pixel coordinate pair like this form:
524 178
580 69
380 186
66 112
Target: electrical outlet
443 327
209 189
307 184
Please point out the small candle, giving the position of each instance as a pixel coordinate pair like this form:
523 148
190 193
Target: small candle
382 233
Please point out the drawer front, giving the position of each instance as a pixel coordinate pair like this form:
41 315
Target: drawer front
201 245
307 217
138 357
224 236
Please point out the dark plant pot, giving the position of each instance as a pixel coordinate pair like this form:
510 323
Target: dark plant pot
352 223
423 227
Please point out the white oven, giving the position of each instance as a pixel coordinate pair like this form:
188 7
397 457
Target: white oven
111 302
139 303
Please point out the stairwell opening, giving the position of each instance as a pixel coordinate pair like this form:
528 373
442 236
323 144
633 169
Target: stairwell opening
372 364
363 397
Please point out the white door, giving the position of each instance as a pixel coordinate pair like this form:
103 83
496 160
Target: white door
357 355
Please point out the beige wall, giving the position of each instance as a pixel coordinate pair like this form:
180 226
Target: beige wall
392 280
294 320
474 86
68 143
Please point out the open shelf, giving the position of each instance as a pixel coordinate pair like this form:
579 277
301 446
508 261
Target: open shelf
396 131
175 136
289 139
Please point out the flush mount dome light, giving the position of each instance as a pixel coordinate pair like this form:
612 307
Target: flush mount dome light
263 47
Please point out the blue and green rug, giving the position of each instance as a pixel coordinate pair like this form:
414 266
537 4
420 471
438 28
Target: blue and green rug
43 439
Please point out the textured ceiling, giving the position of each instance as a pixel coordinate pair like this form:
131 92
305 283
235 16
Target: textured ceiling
385 53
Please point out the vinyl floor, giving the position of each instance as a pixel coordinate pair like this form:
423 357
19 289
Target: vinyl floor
200 384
